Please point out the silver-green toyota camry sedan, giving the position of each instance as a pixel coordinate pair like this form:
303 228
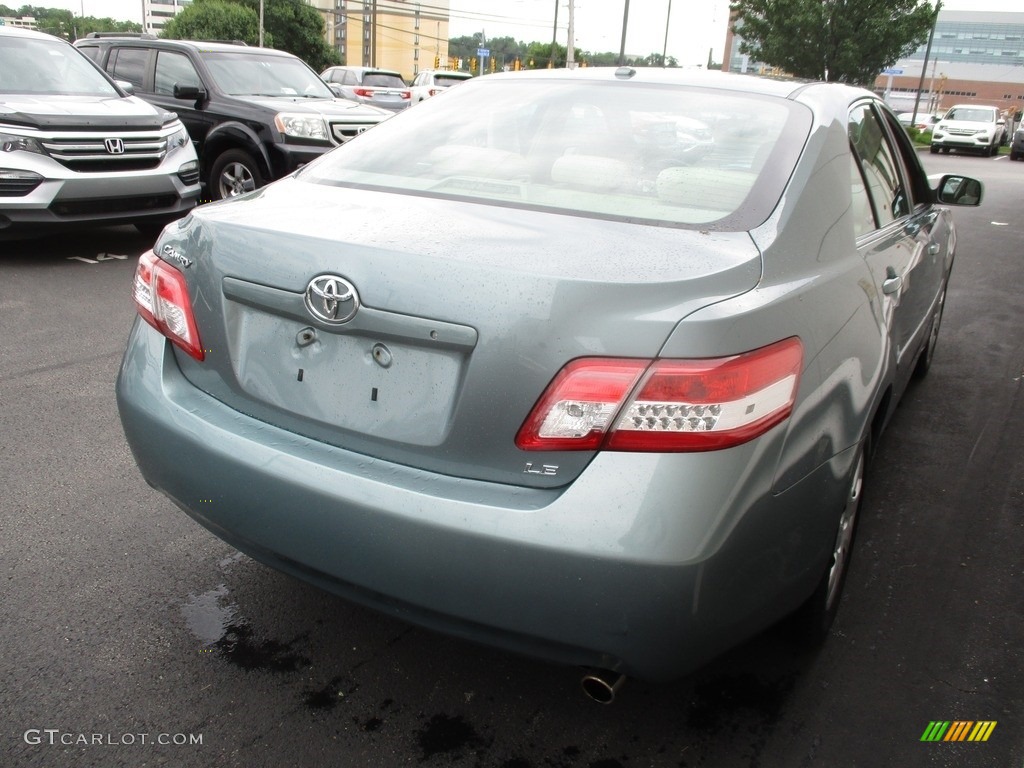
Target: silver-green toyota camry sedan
524 366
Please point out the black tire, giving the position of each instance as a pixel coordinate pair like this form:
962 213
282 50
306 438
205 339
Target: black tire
1014 155
924 361
813 620
934 149
234 173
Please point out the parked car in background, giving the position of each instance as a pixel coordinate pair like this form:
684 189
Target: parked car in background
431 82
970 128
369 85
924 121
255 114
76 149
1017 145
586 404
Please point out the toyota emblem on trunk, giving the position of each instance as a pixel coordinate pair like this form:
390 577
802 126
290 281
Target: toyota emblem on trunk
331 299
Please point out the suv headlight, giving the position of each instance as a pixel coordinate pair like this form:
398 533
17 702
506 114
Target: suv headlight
178 139
12 142
301 126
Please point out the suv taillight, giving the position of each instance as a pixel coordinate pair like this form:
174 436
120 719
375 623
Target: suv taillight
161 297
364 92
622 404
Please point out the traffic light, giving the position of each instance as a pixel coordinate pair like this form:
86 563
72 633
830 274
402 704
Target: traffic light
437 62
517 65
472 64
493 62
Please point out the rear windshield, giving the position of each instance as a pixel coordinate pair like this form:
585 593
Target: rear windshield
48 68
632 151
382 80
445 80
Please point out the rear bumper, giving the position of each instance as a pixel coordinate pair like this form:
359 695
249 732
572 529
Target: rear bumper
633 567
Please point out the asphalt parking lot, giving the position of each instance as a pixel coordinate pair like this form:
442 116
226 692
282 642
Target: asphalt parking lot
131 636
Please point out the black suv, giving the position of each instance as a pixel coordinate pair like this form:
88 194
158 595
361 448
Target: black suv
254 114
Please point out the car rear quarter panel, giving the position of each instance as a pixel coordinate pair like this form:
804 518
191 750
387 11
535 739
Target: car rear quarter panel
815 286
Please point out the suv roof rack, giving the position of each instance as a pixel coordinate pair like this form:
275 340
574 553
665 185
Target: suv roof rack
139 35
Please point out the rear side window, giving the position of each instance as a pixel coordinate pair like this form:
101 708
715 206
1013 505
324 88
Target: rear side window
129 64
174 69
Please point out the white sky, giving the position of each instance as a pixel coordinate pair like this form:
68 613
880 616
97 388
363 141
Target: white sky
695 26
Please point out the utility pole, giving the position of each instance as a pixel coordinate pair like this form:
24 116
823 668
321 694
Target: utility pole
664 50
924 66
261 23
570 60
625 21
554 39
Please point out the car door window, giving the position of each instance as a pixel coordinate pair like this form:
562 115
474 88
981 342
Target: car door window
174 69
860 202
870 145
129 64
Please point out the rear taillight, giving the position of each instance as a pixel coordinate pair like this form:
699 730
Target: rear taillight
434 91
665 405
406 94
364 92
161 297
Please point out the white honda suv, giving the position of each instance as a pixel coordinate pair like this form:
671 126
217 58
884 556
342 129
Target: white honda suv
971 127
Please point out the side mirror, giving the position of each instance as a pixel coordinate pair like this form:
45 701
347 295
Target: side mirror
125 86
190 93
953 189
336 90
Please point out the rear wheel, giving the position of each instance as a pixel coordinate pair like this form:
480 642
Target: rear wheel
815 617
234 173
935 150
924 362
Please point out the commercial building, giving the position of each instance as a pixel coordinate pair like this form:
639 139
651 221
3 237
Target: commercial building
156 13
976 58
400 35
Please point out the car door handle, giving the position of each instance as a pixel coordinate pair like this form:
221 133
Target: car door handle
893 282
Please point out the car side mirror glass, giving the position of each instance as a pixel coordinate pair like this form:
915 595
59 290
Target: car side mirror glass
959 190
125 86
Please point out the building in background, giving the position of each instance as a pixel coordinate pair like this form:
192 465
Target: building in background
400 35
977 57
156 13
25 22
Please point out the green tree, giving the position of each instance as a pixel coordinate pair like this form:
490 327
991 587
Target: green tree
848 41
297 28
216 20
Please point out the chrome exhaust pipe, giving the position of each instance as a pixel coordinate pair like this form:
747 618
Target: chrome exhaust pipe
601 685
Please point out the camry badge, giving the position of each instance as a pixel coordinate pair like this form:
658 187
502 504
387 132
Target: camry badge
331 299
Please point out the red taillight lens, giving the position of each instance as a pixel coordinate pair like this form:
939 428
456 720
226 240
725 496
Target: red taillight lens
406 94
434 91
161 297
364 92
665 405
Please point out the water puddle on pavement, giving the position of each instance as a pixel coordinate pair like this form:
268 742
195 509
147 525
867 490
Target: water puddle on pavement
206 617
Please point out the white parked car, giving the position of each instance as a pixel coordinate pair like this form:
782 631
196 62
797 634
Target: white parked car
432 82
924 122
971 127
